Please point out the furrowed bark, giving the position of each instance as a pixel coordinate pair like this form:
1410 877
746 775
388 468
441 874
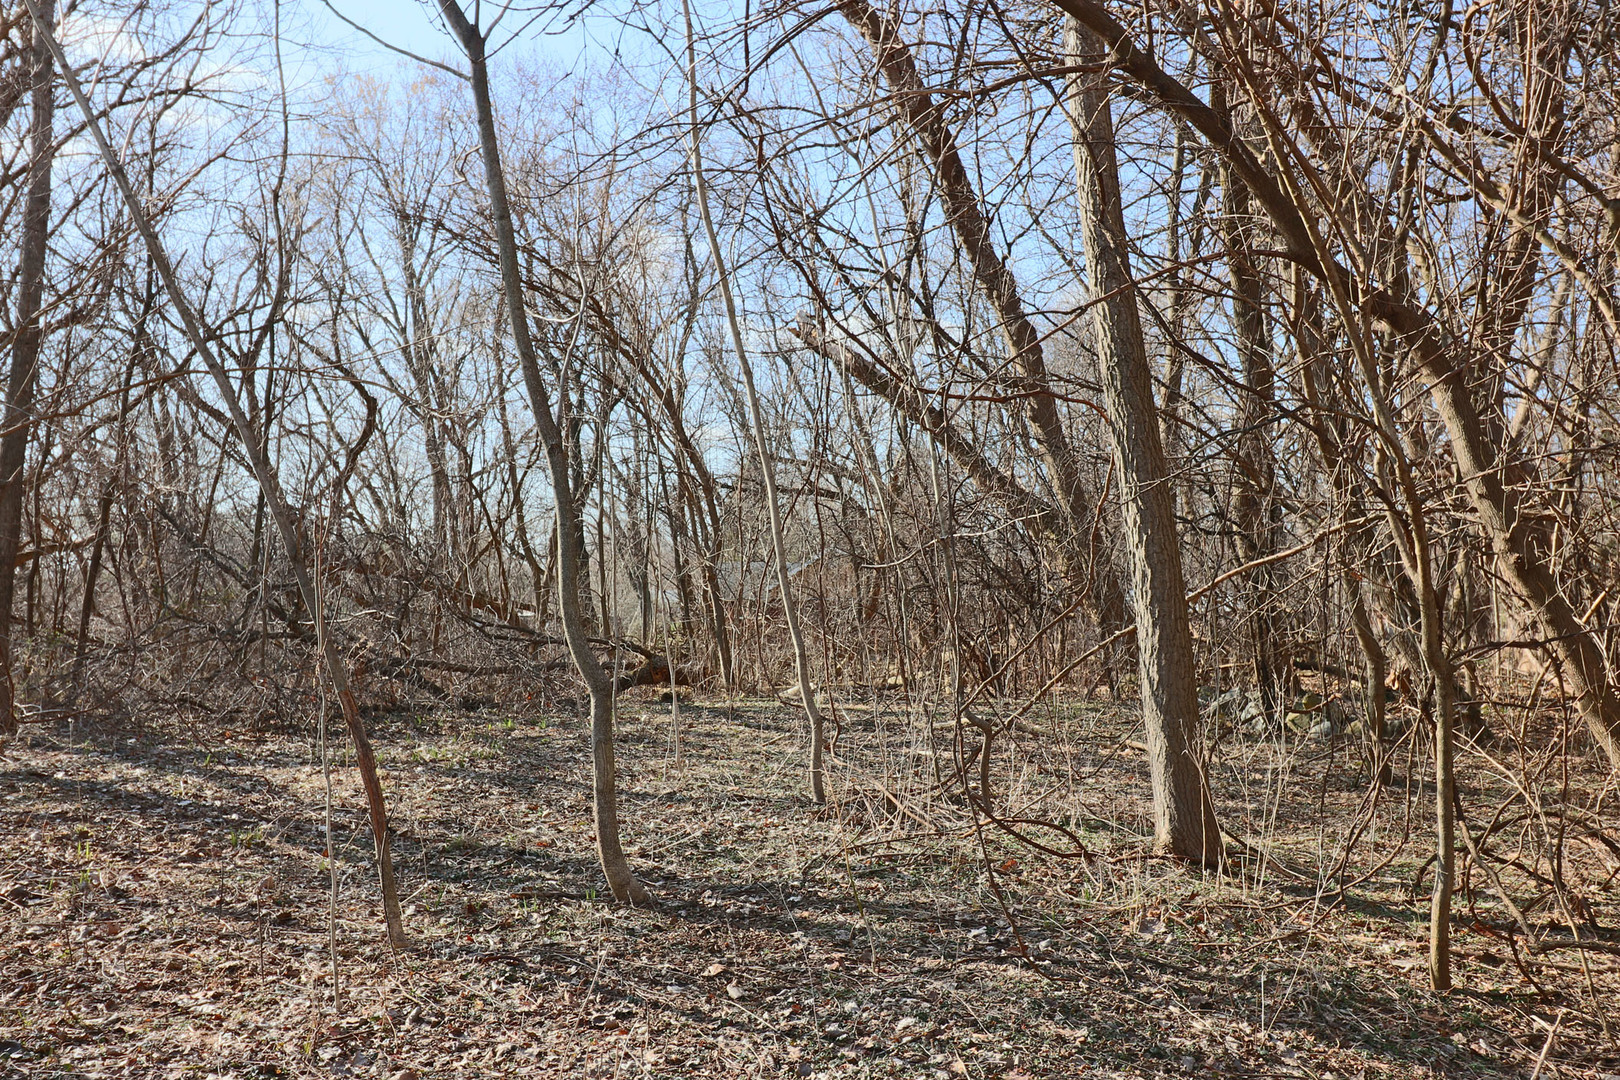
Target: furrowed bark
1184 815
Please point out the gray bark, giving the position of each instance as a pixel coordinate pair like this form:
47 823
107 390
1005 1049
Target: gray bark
24 375
1184 816
615 866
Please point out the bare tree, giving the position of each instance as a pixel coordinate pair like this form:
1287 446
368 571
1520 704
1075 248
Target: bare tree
25 348
1026 355
1184 816
1291 190
269 485
767 468
615 866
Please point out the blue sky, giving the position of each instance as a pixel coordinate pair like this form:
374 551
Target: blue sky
409 24
414 25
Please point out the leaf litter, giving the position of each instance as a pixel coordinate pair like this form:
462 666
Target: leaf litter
163 913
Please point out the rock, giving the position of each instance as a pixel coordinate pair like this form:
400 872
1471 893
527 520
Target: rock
1315 718
1234 709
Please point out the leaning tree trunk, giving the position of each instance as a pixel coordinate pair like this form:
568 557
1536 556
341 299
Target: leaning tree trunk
253 448
1095 580
1184 816
24 376
615 866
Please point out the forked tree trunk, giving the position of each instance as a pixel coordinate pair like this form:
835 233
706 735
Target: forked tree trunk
1183 814
269 486
604 774
24 376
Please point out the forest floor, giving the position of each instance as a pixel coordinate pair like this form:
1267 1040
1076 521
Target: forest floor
164 913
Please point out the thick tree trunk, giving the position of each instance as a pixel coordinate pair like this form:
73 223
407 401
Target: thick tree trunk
18 424
615 866
1184 816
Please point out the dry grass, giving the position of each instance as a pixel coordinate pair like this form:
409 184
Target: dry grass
163 912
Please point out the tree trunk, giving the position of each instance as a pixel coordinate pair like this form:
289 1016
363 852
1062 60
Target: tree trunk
1491 477
1184 816
615 866
1099 584
773 506
24 376
1372 682
1255 471
269 485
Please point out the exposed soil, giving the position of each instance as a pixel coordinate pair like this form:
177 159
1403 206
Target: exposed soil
164 913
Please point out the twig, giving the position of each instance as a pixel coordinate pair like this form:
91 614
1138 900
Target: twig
1541 1058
